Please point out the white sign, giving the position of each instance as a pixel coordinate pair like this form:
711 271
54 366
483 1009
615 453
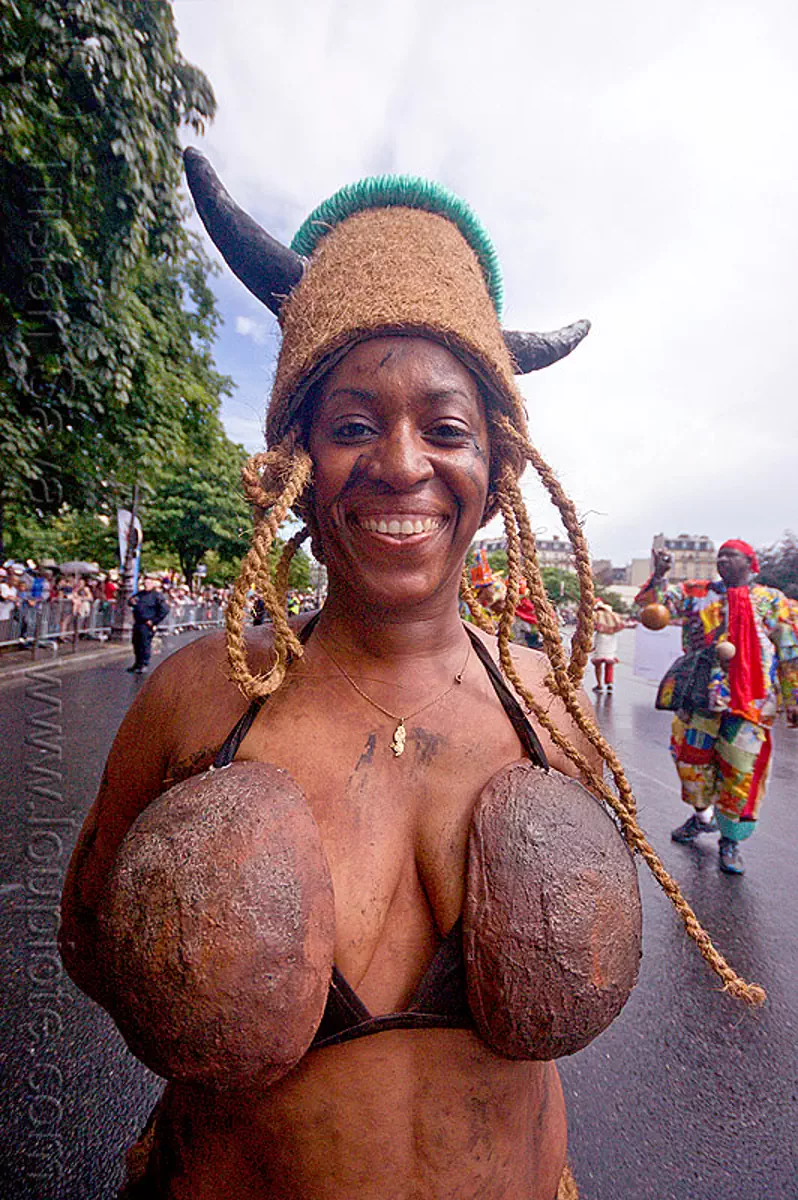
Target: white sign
655 650
123 523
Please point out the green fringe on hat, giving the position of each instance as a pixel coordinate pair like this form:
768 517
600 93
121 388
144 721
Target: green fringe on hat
404 191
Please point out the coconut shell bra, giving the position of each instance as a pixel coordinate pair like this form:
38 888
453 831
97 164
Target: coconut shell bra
547 949
440 999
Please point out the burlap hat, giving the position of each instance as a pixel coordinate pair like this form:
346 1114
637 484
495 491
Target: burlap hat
390 255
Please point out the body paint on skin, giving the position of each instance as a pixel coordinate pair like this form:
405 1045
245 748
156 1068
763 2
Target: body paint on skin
367 757
426 744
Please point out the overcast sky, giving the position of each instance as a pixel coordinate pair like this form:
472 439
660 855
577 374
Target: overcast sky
634 164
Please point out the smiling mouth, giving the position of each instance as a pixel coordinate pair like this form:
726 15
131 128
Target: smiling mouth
399 526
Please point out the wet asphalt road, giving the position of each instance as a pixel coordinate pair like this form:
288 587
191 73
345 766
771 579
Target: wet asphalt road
688 1096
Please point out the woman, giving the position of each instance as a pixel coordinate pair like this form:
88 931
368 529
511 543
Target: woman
607 625
395 430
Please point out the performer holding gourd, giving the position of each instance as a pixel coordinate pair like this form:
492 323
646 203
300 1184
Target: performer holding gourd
341 886
740 665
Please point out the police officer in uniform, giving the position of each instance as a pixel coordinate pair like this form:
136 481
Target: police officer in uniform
149 609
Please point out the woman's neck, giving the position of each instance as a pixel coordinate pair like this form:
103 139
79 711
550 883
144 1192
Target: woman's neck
361 631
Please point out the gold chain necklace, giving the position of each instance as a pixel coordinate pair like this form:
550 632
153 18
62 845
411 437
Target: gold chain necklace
400 733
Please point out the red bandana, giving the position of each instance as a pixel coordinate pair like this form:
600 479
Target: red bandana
746 680
744 548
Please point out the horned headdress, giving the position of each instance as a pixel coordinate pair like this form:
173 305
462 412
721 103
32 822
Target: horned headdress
386 256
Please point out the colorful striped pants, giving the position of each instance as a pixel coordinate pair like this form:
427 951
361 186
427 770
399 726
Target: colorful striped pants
723 760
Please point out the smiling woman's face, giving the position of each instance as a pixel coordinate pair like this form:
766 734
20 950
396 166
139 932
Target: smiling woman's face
399 445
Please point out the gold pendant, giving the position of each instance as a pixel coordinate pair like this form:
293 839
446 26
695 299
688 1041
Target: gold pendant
399 738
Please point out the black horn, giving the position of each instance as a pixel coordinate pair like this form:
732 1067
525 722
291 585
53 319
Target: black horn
531 351
269 269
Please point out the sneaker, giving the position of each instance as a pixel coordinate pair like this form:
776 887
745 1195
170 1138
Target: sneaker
598 688
730 860
609 688
691 829
130 670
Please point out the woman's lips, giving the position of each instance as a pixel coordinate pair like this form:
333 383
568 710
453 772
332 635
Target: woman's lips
399 524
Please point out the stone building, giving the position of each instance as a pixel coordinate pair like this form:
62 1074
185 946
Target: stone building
694 556
552 552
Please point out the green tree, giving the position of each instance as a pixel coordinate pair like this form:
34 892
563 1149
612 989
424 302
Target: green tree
68 535
778 565
199 505
561 586
92 97
498 561
616 602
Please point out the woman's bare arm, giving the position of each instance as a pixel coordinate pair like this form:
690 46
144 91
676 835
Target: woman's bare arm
173 729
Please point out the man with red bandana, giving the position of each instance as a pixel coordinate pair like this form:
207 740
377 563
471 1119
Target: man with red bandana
723 752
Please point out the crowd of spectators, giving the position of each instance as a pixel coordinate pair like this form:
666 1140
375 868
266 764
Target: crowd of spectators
42 601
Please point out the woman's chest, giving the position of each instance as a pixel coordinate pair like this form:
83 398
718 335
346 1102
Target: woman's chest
394 827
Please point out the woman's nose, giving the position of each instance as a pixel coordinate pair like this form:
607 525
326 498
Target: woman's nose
401 459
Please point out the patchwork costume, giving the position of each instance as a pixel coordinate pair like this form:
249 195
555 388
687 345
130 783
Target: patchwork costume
723 752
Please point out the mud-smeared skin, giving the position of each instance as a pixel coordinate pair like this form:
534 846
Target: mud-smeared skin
552 921
218 926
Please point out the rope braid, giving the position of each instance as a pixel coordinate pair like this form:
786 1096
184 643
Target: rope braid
273 481
284 565
480 617
583 636
563 681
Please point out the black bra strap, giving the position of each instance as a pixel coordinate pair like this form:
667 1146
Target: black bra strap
235 737
526 734
518 719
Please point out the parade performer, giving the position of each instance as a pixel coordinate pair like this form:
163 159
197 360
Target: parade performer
525 628
607 625
721 744
488 587
356 946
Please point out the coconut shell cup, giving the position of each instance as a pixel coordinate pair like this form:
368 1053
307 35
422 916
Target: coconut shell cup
218 926
552 920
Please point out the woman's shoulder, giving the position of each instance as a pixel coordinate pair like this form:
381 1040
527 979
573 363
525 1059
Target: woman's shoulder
533 668
198 677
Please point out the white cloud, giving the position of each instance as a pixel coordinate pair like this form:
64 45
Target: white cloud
257 330
634 164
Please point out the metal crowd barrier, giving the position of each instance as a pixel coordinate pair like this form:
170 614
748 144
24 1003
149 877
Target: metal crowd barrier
53 623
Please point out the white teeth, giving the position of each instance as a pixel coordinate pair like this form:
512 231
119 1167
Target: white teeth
400 528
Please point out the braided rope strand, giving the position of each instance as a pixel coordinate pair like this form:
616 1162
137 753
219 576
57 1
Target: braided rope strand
583 636
561 684
284 565
287 468
480 617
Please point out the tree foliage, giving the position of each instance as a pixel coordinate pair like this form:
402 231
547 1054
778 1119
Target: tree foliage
561 586
106 319
199 505
778 565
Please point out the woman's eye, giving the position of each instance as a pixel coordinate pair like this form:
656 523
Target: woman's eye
446 431
352 431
